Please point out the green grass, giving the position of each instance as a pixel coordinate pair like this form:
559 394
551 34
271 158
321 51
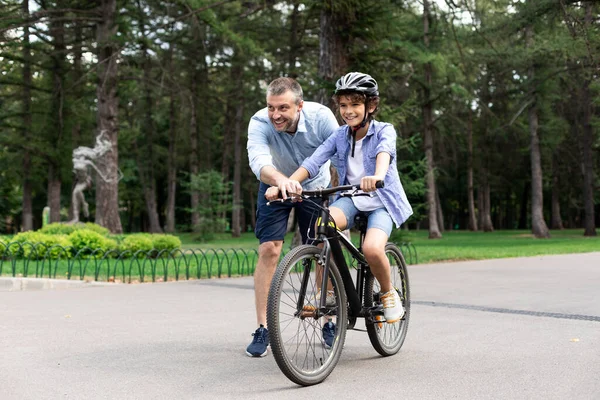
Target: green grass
464 245
227 256
454 245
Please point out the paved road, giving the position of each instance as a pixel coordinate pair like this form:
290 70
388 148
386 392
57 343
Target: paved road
522 328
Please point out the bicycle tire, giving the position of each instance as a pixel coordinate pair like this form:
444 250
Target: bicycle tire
296 336
387 339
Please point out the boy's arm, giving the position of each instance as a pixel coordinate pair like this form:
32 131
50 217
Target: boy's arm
367 183
301 174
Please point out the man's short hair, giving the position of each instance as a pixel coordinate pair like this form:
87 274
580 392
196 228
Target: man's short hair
281 85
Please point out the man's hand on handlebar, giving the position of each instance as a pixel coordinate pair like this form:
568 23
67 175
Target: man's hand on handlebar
283 189
272 193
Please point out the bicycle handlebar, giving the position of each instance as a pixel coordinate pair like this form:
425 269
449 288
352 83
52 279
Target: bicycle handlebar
327 191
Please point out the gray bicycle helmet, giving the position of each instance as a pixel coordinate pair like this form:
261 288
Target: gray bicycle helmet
357 82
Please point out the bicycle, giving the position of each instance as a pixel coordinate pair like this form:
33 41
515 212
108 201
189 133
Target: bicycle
295 313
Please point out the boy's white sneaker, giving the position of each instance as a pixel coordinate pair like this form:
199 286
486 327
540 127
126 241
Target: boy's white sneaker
392 306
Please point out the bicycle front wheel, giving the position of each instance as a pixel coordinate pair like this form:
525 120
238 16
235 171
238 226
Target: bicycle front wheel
387 339
296 322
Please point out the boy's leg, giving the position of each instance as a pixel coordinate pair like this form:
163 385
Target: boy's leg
379 227
374 251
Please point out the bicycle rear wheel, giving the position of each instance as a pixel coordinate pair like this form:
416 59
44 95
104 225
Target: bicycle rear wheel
295 322
387 339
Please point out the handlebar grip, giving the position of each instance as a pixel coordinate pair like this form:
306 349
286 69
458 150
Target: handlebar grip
379 184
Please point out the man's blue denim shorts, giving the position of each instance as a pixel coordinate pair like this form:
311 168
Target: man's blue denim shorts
272 220
379 218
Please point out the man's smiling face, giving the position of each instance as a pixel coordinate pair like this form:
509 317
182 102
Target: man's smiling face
284 113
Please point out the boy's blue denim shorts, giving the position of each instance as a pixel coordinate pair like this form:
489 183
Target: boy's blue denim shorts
378 218
272 220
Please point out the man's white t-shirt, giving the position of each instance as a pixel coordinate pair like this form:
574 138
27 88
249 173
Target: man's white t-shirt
355 171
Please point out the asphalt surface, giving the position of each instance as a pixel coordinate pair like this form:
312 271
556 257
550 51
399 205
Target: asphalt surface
522 328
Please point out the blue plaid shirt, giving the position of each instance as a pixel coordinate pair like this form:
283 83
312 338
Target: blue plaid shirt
381 137
286 152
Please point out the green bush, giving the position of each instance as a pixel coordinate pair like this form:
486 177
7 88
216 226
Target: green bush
165 242
57 228
35 245
87 241
96 228
136 242
3 245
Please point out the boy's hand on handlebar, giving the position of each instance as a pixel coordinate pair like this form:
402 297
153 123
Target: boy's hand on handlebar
369 183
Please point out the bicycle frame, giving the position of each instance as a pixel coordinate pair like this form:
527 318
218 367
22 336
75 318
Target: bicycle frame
333 240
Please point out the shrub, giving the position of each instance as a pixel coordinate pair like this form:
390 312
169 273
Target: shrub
56 228
86 242
3 245
166 242
136 242
96 228
34 246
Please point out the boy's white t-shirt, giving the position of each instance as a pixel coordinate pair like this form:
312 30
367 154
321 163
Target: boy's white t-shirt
355 171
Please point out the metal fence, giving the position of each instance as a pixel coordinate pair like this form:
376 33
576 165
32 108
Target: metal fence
38 260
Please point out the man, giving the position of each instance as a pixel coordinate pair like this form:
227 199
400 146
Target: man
280 137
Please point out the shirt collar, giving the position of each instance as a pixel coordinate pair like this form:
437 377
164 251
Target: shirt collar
301 123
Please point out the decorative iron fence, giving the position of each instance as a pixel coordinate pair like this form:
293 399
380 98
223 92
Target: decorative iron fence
38 260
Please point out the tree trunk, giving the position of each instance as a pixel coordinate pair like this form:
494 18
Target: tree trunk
472 216
171 167
556 222
538 224
439 211
333 47
107 193
434 230
237 172
194 196
146 156
587 147
485 209
253 207
295 45
195 81
57 115
54 185
27 212
77 93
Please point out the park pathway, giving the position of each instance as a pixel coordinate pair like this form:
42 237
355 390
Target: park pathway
521 328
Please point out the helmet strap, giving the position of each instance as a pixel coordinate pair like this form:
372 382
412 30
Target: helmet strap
355 129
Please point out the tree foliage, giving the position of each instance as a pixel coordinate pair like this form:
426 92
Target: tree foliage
190 73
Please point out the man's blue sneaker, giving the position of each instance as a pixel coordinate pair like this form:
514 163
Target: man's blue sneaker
328 334
258 347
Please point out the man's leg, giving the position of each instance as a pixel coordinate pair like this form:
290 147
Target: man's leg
268 255
271 224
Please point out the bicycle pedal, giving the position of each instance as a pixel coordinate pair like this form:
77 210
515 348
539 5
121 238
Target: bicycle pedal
308 311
